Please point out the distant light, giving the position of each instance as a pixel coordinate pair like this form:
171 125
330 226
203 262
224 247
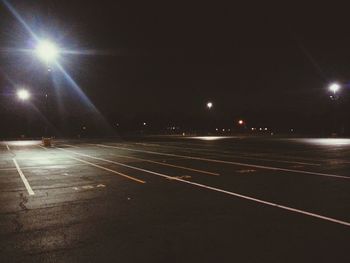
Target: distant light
144 124
335 87
209 105
210 138
327 141
260 129
47 51
216 129
240 122
223 130
253 129
23 143
265 129
23 94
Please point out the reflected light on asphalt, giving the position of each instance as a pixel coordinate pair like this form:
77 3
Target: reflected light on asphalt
209 138
328 141
23 143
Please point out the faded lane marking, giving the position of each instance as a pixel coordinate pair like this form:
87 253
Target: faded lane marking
109 170
229 162
170 165
229 154
160 163
24 179
244 171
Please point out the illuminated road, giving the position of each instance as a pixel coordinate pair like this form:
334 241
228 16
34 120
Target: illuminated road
201 199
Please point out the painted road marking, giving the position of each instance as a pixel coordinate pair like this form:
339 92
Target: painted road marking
42 147
229 154
89 187
181 177
271 154
161 163
244 171
24 179
42 167
73 146
170 165
109 170
260 201
229 162
8 147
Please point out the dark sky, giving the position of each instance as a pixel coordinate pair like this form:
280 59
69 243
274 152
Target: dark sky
269 64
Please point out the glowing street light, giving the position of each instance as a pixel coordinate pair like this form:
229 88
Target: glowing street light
209 105
23 94
335 87
47 51
240 122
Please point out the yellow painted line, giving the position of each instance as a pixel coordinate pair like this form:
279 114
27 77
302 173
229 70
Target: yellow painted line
109 170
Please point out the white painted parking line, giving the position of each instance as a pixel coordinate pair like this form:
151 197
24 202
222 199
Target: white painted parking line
24 179
73 146
164 164
42 147
232 163
109 170
229 154
8 147
256 200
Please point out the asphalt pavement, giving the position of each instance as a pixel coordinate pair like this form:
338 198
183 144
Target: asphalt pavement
176 199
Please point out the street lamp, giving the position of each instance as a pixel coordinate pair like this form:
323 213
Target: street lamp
334 88
23 94
47 51
209 105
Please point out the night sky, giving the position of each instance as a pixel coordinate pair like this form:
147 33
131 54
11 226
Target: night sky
162 61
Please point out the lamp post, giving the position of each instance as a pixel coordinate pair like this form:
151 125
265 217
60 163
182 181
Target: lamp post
334 88
48 53
209 106
23 95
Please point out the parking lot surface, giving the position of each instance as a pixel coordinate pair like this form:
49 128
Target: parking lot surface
176 199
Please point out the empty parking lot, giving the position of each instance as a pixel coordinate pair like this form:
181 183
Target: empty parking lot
181 199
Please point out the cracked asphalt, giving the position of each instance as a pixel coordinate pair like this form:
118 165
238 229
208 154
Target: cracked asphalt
176 199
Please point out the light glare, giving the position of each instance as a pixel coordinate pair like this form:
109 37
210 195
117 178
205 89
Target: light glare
23 94
47 51
334 87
